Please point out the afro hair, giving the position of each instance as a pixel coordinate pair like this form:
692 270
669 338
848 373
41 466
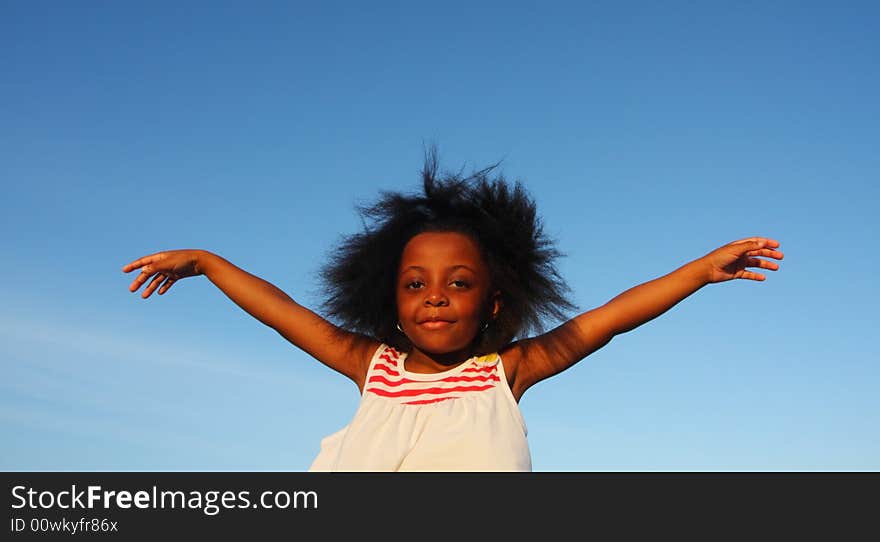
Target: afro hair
361 273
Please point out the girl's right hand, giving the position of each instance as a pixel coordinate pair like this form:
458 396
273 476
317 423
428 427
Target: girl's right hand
170 266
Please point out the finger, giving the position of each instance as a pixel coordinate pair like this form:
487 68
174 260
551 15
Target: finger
138 263
139 281
763 264
146 273
164 288
760 242
750 275
153 285
770 253
764 242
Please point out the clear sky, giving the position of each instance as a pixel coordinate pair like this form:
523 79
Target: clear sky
648 133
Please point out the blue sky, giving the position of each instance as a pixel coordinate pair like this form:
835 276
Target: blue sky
648 133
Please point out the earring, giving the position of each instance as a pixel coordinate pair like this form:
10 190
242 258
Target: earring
485 327
400 329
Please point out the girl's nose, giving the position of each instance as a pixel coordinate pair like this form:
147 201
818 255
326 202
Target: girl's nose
436 299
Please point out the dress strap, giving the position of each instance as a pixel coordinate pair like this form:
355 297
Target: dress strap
386 360
508 393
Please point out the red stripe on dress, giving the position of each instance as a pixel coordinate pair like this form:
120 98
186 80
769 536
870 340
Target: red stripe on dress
430 391
428 401
480 369
392 361
387 369
383 380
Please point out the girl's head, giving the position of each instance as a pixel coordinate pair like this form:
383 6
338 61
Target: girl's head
469 253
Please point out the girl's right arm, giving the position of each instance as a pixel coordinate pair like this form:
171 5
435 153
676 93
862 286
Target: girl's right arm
341 350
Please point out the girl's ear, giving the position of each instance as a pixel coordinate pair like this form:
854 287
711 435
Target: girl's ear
496 304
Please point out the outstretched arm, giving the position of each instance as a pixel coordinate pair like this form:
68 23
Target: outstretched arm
343 351
555 351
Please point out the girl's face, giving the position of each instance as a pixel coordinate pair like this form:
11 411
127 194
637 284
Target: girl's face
443 292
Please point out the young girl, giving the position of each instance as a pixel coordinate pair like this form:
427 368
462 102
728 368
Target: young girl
434 301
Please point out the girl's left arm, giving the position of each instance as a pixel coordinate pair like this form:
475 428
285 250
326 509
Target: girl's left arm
559 349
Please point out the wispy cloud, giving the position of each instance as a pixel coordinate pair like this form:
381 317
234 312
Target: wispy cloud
91 343
71 386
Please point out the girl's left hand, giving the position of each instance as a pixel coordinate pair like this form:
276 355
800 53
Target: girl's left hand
730 261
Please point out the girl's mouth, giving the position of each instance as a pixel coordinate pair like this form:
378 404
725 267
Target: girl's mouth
436 324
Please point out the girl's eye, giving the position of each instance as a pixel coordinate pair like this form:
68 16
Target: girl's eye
414 285
460 284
